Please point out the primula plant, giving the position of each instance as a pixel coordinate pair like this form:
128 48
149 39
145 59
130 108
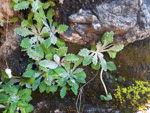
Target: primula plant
50 67
96 57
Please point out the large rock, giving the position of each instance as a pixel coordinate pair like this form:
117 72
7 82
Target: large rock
130 20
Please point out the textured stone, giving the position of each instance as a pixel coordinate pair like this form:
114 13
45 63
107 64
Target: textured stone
130 20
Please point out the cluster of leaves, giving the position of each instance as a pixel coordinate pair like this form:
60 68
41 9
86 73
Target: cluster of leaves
95 57
15 99
134 96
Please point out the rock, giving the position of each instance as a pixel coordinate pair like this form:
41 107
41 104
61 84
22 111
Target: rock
128 19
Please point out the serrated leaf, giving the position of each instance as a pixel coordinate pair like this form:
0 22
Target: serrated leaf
84 52
53 88
103 64
42 87
62 51
95 59
24 23
111 66
60 70
22 31
63 92
87 60
25 43
36 84
112 54
32 54
71 57
28 73
14 19
22 5
78 62
26 98
117 47
48 64
62 82
62 28
107 38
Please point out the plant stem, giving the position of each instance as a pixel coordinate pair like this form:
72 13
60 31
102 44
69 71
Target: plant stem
101 78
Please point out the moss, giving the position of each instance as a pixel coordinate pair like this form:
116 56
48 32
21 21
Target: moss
133 97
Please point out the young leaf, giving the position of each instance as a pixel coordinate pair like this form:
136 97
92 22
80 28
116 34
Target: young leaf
22 31
25 43
62 51
117 47
33 54
95 59
53 88
107 38
2 106
111 66
48 64
62 28
112 54
47 43
63 92
14 19
71 57
22 5
50 14
84 52
95 67
60 43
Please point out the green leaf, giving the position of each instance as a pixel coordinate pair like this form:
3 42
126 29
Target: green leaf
107 38
26 98
49 56
16 1
14 19
59 70
21 6
25 43
112 54
71 57
63 92
31 80
87 60
107 97
84 52
60 43
117 47
78 62
42 87
111 66
80 77
36 83
22 31
95 67
4 74
62 51
95 59
75 91
24 23
47 42
62 82
53 88
12 4
50 14
29 109
48 64
53 39
39 51
28 73
12 108
62 28
3 98
104 64
33 54
22 104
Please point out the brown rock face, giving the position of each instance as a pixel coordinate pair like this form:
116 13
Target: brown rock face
128 19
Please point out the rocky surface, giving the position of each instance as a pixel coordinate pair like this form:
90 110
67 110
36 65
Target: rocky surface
128 19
